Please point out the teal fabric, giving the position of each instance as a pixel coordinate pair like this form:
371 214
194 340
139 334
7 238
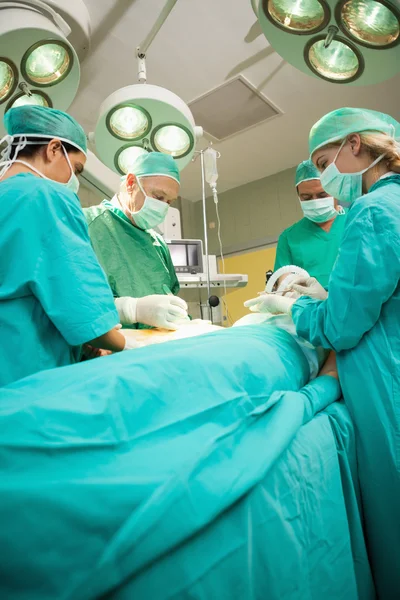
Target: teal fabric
137 263
178 471
306 245
152 164
53 293
306 171
361 321
40 121
340 123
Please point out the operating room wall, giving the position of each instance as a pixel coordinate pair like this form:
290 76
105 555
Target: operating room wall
252 215
89 197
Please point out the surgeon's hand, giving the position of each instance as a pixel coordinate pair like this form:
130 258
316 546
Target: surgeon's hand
309 286
270 303
165 312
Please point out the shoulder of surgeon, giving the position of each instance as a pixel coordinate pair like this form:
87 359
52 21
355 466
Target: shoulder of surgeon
37 193
380 206
295 227
93 212
157 237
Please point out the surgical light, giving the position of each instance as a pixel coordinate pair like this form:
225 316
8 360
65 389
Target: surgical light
370 23
127 156
152 118
8 79
129 122
298 16
41 45
172 139
47 63
336 62
341 41
34 99
157 120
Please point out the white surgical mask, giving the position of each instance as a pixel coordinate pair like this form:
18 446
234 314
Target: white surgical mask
152 213
346 187
72 183
319 211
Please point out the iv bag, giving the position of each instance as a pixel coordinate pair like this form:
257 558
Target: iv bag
210 166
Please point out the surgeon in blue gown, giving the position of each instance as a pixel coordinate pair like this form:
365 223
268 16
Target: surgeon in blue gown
358 154
53 293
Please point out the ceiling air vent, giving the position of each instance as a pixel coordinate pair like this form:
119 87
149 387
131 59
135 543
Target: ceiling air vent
231 108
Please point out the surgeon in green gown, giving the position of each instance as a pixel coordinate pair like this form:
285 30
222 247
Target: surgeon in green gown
135 258
313 242
358 154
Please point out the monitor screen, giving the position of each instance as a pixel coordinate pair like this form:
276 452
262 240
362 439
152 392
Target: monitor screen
185 255
178 255
193 256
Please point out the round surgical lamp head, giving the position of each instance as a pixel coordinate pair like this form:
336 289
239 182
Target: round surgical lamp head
35 98
38 63
369 23
355 42
146 117
126 157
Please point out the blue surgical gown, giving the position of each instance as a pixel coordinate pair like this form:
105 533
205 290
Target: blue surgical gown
53 293
361 321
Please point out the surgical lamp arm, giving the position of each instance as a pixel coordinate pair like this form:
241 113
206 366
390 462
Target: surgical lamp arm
145 45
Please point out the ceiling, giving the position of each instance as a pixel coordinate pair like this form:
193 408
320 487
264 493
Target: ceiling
200 46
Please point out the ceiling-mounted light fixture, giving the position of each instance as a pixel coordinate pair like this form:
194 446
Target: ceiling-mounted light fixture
145 118
342 41
41 45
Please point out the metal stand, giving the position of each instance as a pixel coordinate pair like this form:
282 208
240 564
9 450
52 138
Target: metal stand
203 187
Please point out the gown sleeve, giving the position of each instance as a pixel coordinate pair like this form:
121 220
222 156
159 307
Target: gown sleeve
365 276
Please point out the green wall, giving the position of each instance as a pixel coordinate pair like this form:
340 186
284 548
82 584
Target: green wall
252 215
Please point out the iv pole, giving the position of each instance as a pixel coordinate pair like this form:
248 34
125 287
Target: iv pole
142 77
203 188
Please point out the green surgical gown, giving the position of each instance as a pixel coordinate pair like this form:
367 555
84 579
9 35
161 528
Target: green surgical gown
361 321
137 263
308 246
53 293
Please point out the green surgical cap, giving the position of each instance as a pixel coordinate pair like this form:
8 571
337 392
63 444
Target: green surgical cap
155 163
38 121
306 171
340 123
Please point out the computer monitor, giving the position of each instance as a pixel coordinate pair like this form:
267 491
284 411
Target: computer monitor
187 255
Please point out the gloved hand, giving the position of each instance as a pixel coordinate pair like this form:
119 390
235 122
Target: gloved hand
166 312
270 303
309 286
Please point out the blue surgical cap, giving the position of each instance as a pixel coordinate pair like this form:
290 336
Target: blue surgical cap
38 121
155 163
306 171
340 123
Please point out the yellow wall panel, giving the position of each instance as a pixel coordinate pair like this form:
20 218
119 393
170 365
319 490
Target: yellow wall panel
254 264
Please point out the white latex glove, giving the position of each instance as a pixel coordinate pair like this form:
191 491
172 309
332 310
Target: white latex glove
309 286
166 312
270 303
